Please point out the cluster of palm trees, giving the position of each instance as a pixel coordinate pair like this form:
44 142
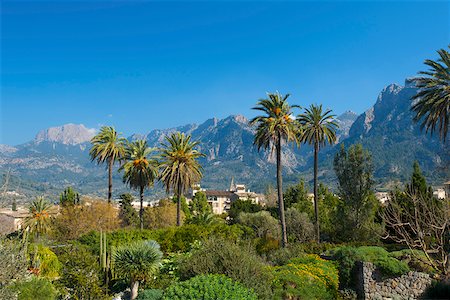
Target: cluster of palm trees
278 125
175 163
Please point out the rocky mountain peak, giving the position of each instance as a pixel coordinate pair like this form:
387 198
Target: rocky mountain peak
68 134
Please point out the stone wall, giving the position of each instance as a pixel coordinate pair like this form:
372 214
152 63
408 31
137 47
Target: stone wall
371 287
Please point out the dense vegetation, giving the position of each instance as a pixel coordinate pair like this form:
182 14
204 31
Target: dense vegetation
283 248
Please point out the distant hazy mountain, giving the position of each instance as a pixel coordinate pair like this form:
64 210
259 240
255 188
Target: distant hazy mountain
69 134
58 157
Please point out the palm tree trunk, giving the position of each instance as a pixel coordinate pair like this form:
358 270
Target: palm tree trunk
110 167
179 203
280 193
316 196
134 289
141 210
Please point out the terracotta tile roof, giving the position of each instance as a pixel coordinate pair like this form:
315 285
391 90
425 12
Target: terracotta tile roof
219 193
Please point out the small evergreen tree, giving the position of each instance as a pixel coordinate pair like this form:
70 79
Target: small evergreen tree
355 214
128 214
199 205
69 197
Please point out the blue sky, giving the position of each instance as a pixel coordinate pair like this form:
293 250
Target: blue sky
145 65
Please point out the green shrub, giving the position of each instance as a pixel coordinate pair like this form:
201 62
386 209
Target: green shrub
43 261
171 239
347 257
239 262
282 256
150 294
415 259
209 287
36 288
80 273
306 277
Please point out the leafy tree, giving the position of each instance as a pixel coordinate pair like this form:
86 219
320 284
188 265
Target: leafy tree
72 222
239 206
297 195
137 262
418 183
107 147
298 225
39 219
327 209
275 127
355 214
80 274
264 225
319 128
140 170
69 197
199 205
180 169
433 99
162 215
128 214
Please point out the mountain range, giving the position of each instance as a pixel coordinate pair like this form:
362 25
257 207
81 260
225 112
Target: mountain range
59 156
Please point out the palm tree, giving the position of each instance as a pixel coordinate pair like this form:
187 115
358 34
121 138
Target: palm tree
137 262
180 169
319 128
140 170
107 146
433 105
38 221
274 128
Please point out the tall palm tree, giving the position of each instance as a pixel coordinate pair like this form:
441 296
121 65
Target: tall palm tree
140 170
107 146
180 169
319 128
38 221
433 98
137 262
274 128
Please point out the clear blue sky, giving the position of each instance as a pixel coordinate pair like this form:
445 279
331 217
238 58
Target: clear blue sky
145 65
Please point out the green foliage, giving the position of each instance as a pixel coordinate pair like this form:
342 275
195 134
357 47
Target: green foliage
39 218
297 195
346 258
263 224
299 227
415 259
433 105
69 197
128 213
180 168
328 203
355 214
80 273
209 287
284 255
13 265
136 261
43 261
240 206
239 262
36 288
199 205
150 294
170 239
306 277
